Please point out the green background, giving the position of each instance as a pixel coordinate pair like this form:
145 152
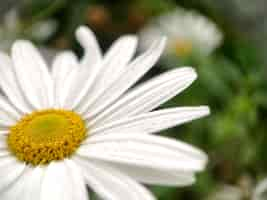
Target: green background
232 80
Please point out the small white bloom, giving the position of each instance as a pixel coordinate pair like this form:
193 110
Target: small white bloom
260 192
84 123
44 29
187 31
11 29
227 192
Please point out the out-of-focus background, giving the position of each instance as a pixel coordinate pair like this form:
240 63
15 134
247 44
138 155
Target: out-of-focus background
224 40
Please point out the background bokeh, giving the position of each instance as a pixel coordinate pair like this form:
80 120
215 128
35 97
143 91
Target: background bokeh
232 79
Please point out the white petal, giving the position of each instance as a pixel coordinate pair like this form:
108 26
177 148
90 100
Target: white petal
5 153
10 171
3 143
8 83
141 150
78 182
78 79
88 41
132 73
4 132
155 176
63 65
33 75
58 183
120 53
148 96
153 122
110 184
113 64
81 79
32 183
9 115
16 189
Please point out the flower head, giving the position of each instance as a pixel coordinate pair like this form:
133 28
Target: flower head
83 123
187 31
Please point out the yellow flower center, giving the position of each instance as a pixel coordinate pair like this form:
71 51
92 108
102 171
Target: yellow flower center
47 135
183 48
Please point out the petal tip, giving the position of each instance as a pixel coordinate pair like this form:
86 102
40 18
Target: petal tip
21 45
205 110
159 43
190 73
83 32
193 72
130 39
21 42
82 29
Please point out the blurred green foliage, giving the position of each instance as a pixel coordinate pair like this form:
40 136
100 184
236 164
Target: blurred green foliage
232 81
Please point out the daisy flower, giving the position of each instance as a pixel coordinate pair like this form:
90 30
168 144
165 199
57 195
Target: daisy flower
85 123
187 31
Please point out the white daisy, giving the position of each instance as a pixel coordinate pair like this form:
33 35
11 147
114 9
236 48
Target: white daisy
187 31
84 123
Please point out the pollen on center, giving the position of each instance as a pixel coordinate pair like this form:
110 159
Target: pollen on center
46 135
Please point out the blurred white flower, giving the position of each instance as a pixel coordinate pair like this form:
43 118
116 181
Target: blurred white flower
187 31
227 192
12 28
43 29
260 192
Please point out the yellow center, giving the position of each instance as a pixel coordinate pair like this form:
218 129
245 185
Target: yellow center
183 48
47 135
